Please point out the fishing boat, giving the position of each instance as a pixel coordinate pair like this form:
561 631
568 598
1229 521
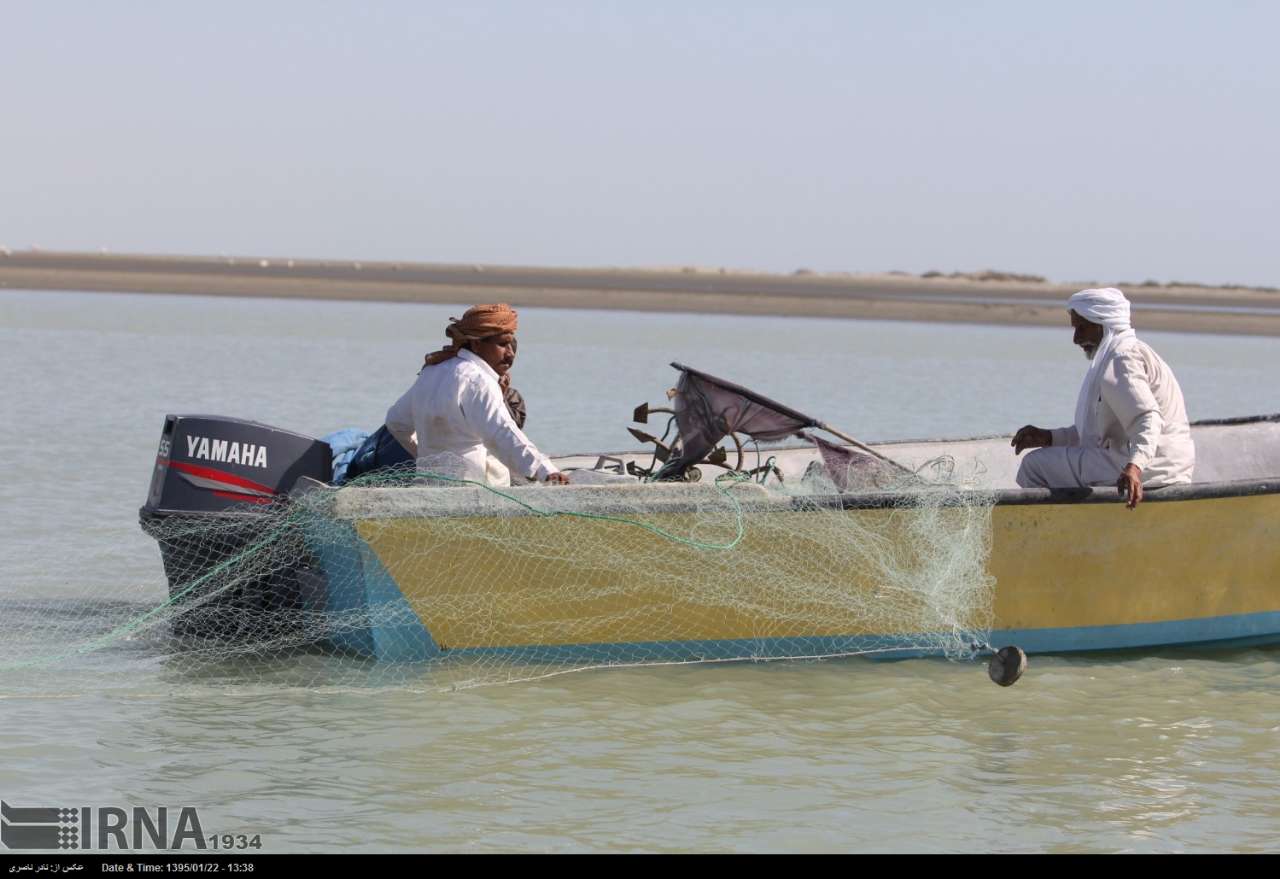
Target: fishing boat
622 566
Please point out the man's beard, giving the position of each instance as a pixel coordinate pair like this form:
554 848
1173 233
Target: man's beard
1089 351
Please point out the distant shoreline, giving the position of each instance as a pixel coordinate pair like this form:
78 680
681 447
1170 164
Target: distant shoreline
891 296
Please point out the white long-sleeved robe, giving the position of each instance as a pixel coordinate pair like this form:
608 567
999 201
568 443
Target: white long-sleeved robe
1141 419
454 418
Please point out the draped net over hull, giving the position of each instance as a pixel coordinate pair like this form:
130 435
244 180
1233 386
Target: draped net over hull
467 584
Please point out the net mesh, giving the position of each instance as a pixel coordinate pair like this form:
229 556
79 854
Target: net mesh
403 575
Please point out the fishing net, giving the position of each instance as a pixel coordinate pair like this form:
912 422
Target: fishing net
410 576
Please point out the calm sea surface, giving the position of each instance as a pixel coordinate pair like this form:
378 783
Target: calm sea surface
1171 751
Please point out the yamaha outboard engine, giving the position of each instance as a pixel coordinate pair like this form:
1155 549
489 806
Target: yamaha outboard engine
216 491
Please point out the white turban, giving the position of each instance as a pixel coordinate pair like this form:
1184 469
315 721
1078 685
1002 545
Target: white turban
1103 305
1109 307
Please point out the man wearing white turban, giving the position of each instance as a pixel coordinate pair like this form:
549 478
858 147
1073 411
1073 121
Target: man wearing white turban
1131 423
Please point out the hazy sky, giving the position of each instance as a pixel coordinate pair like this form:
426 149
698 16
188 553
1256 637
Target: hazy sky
1110 140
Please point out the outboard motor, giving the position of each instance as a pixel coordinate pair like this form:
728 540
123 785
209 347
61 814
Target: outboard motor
217 484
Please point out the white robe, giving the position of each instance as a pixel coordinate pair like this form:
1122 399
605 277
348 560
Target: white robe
1138 416
455 420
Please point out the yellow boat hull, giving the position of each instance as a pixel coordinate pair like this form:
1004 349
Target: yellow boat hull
1189 566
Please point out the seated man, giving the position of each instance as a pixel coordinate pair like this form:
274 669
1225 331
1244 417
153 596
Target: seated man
381 451
456 415
1131 422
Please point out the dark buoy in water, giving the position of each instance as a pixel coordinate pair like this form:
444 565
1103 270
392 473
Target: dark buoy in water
1007 665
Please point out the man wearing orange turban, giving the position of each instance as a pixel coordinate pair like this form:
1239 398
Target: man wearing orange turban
455 416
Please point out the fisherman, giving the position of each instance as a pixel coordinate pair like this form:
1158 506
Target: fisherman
1131 422
455 418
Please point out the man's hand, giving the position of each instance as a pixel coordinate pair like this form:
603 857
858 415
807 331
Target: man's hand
1130 485
557 479
1031 437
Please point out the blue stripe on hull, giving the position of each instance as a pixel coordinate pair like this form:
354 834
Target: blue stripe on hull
1243 630
744 649
364 605
1236 630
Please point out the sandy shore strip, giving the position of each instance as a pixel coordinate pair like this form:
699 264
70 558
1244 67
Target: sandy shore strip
893 296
